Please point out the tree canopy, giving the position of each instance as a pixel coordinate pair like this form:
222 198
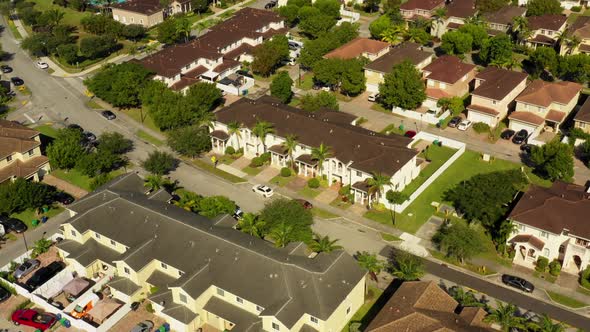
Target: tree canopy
488 6
314 50
313 102
497 50
477 32
403 87
65 149
542 7
287 219
459 241
120 84
346 74
456 42
554 161
269 55
190 141
159 162
20 194
281 86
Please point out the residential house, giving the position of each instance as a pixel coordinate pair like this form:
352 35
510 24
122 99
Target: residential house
447 77
199 273
419 306
216 54
20 153
458 11
582 118
501 20
413 10
360 47
544 106
376 70
545 29
580 31
493 97
552 223
147 12
566 4
356 154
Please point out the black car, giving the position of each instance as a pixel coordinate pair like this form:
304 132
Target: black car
44 274
63 198
108 115
4 294
271 4
12 224
526 148
520 136
507 134
6 69
518 283
89 136
17 81
75 126
244 73
455 122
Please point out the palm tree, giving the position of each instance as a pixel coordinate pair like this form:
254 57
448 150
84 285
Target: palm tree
183 28
320 154
476 19
235 128
465 299
407 267
573 42
323 244
188 201
54 16
376 184
520 23
291 144
439 17
154 182
394 34
505 316
260 130
546 325
282 235
206 119
251 224
369 262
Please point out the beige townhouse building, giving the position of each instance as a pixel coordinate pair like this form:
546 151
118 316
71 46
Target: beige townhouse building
20 153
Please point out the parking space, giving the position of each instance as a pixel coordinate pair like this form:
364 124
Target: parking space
45 259
134 317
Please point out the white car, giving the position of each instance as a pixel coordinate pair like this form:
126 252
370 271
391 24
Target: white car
42 65
464 125
373 97
263 190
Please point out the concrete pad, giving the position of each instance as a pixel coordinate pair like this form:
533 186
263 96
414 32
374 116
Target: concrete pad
240 163
429 228
327 196
297 184
267 174
231 170
358 209
412 244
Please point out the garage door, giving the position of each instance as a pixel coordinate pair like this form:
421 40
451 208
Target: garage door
517 125
372 87
479 117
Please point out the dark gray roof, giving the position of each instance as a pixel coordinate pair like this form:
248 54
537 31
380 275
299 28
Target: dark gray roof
243 319
406 51
285 285
88 252
307 328
160 279
180 313
124 285
584 112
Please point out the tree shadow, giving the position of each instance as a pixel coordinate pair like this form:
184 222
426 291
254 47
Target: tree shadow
380 303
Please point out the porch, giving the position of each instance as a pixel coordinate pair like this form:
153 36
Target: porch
219 141
307 166
528 248
279 156
360 191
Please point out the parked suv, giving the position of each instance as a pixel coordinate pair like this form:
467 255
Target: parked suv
44 274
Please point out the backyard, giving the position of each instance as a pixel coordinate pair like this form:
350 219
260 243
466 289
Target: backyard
80 180
437 155
71 17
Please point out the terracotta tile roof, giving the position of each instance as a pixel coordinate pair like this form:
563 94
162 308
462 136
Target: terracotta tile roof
405 51
580 27
530 239
584 112
356 48
25 169
498 83
482 109
505 15
555 116
448 69
584 48
454 25
563 206
239 51
548 22
225 65
543 93
147 7
437 93
422 4
527 117
542 39
369 151
461 8
422 306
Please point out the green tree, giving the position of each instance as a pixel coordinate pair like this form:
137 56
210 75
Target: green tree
456 42
542 7
261 129
395 198
280 87
95 47
546 324
159 162
36 44
41 246
65 149
189 201
120 84
270 54
68 52
134 31
288 218
290 13
323 244
376 184
505 316
251 224
458 241
390 5
477 32
497 50
544 59
200 6
155 182
328 71
554 160
378 26
488 6
352 80
453 104
167 32
321 153
314 102
465 299
114 142
574 68
394 35
282 234
328 7
100 161
403 87
54 17
291 144
315 25
183 28
214 206
20 194
370 262
189 141
407 267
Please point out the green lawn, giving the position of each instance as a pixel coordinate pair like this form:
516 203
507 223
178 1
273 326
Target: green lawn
149 138
136 114
337 202
545 276
78 179
47 130
281 181
94 105
207 166
483 270
13 28
253 171
389 237
373 294
29 215
71 16
437 155
583 291
323 214
392 129
565 300
306 82
309 192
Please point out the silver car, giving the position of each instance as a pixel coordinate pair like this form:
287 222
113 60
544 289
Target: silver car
145 326
26 268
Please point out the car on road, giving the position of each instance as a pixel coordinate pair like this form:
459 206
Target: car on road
410 133
238 213
507 134
517 282
520 136
454 122
145 326
373 97
108 115
264 191
464 125
63 198
13 224
44 274
17 81
33 318
305 204
25 268
75 126
42 65
6 69
4 294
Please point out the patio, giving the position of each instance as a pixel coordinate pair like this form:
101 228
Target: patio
132 318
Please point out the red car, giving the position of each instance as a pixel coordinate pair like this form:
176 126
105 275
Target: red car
34 318
410 134
306 205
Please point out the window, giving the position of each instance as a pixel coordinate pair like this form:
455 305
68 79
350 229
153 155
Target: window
74 233
141 21
31 153
126 270
220 292
164 266
259 308
546 252
9 158
359 173
239 300
275 326
113 243
522 228
348 311
180 273
494 102
97 235
132 19
182 298
313 320
544 234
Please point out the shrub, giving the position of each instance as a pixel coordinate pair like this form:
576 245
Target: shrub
23 305
256 162
149 308
576 9
313 183
542 263
344 190
585 278
7 286
265 157
240 151
285 172
554 268
230 150
481 127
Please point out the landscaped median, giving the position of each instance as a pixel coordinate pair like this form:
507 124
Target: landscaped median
565 300
209 167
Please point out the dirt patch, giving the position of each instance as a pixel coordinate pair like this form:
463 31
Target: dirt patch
134 317
60 184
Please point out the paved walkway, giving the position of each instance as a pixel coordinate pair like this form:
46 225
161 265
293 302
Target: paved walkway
60 184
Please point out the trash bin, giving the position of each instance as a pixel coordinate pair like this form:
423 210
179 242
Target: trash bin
44 219
35 222
45 209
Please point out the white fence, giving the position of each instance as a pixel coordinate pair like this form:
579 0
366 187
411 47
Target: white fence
426 117
349 16
460 146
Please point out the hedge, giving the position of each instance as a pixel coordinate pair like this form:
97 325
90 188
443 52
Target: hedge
481 127
554 268
542 263
285 172
313 183
230 150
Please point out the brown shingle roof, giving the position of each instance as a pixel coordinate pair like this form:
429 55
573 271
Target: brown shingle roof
530 239
555 116
527 117
422 4
549 21
584 112
563 206
542 39
219 134
369 151
422 306
498 83
505 15
580 27
406 51
17 130
24 169
356 48
147 7
543 93
461 8
448 69
189 78
437 93
482 109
